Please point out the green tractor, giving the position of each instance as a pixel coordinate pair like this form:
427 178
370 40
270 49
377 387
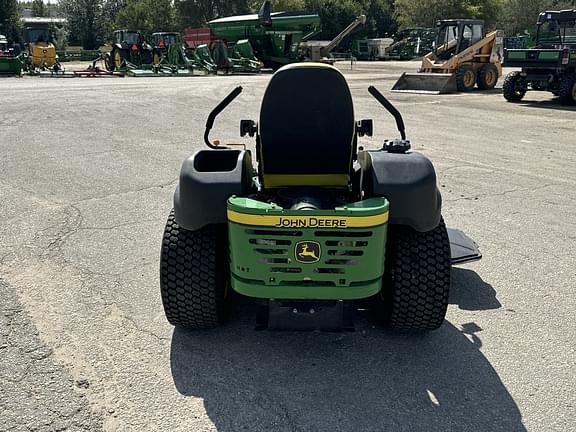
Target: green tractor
318 228
551 65
162 41
129 50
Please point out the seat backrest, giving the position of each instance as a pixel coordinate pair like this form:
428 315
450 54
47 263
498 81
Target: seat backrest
307 128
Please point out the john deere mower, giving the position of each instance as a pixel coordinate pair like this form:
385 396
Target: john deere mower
317 226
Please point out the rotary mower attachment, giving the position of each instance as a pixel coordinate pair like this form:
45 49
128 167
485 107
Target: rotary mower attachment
318 227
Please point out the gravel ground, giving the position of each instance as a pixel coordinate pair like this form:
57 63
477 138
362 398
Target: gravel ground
88 171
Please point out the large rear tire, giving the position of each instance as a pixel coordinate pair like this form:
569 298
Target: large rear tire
515 87
567 89
465 78
194 275
119 58
487 77
417 279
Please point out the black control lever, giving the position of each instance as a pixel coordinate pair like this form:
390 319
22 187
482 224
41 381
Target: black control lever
390 108
215 112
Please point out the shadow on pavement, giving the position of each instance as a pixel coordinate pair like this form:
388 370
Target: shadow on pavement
471 293
368 380
552 104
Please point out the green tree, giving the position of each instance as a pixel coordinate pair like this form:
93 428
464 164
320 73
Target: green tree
10 20
519 16
39 9
380 18
149 16
85 21
196 13
425 13
336 15
110 10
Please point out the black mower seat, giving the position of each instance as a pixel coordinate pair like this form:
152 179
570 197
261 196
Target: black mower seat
307 128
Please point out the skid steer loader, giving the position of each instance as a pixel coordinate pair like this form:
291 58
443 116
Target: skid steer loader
463 57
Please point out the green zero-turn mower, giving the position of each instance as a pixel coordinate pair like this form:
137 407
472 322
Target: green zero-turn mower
318 227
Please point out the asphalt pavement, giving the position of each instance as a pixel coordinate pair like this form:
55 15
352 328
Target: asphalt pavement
87 172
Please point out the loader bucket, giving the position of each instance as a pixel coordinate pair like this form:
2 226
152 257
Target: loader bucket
426 83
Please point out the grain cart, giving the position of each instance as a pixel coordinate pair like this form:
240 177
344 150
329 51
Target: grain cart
464 56
551 65
317 225
129 50
275 37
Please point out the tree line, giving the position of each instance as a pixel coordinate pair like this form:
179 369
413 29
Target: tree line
91 22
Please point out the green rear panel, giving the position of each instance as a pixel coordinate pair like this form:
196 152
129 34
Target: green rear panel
532 58
320 255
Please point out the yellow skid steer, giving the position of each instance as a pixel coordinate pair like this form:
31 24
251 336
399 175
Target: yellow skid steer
463 57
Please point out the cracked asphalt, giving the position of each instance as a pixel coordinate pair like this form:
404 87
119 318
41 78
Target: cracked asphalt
87 172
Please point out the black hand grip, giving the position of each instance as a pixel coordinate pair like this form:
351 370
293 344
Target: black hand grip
217 110
390 108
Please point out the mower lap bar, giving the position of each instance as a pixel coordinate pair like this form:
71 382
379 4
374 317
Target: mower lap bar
207 179
408 181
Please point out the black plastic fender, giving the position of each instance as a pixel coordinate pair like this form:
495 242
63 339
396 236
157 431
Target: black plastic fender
207 179
408 181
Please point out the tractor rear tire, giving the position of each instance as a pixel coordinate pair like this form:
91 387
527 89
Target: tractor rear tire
417 278
515 87
465 78
119 58
487 77
567 90
108 63
194 275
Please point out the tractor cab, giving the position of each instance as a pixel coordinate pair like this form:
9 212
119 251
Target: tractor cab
162 43
455 36
38 35
128 38
129 47
163 40
556 29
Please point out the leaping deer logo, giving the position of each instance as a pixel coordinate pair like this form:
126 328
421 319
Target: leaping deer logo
308 252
